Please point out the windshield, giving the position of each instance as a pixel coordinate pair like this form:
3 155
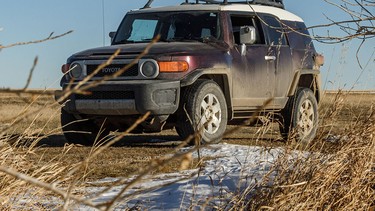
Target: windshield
171 26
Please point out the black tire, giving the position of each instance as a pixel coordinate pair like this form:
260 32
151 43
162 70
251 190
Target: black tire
83 132
203 97
300 116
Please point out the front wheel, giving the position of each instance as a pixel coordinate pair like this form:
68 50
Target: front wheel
204 112
301 116
84 132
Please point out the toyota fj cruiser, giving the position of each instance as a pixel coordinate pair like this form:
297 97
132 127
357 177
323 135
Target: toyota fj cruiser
213 63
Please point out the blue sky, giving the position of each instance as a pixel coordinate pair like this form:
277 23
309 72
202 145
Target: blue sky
25 20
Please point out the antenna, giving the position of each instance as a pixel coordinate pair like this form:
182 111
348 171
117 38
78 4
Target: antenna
148 4
103 22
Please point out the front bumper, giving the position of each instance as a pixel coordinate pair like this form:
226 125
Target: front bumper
160 97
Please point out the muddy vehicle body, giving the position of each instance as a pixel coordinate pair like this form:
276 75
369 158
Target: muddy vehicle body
213 64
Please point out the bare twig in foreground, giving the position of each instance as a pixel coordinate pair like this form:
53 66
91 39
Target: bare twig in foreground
50 37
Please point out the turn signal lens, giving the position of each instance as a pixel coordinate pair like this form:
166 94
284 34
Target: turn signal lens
65 68
175 66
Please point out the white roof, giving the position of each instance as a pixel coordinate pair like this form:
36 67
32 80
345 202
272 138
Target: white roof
280 13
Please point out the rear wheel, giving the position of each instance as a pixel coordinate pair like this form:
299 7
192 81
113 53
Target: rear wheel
204 112
301 116
77 131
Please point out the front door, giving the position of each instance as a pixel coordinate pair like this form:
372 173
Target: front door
253 70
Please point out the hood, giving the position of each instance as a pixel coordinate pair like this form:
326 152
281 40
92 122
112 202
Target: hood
158 49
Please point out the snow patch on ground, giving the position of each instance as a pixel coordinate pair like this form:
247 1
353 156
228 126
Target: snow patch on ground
228 170
232 169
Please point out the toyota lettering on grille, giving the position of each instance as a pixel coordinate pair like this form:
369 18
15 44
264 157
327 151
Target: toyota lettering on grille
110 69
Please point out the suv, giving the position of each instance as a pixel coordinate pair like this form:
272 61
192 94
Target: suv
213 63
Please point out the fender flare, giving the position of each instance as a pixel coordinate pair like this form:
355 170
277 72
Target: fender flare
189 79
316 83
212 73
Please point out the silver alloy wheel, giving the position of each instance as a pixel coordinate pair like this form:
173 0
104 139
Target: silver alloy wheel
210 114
306 118
205 113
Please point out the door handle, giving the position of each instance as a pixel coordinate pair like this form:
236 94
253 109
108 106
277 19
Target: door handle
270 58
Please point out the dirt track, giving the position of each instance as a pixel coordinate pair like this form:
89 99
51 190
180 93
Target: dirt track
131 154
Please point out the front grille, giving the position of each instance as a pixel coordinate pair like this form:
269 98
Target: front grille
111 69
107 95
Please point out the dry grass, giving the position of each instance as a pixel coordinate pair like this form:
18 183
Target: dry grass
343 109
112 162
42 114
24 118
336 172
31 171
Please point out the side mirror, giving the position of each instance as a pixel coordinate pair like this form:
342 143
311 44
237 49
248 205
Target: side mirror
247 35
112 35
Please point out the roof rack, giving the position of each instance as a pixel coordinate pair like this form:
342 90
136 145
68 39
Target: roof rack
273 3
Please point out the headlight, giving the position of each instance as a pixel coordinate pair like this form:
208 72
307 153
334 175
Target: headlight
76 70
149 68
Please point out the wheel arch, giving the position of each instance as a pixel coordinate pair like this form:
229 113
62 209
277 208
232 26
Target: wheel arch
221 78
307 79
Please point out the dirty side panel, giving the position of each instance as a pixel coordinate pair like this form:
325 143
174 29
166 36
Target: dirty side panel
252 77
301 45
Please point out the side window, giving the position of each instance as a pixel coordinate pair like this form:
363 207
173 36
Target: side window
276 35
240 20
193 26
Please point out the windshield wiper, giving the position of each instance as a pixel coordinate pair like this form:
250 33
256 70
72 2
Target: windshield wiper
147 40
180 39
210 39
213 41
125 41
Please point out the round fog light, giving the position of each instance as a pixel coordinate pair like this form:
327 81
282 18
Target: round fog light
149 69
76 70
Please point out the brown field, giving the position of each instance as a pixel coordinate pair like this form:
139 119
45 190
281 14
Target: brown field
34 157
26 119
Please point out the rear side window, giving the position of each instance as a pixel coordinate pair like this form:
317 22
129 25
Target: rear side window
298 36
276 35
